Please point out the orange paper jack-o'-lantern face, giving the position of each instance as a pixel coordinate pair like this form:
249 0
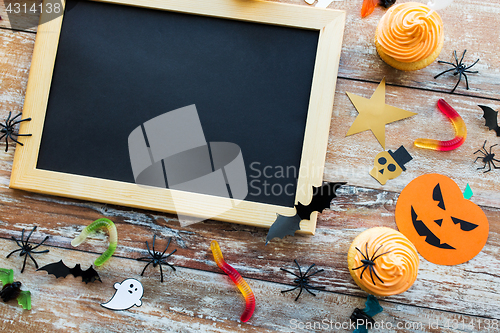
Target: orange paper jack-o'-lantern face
445 228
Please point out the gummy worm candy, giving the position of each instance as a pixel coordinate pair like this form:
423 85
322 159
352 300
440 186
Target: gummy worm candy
458 125
368 7
113 238
237 279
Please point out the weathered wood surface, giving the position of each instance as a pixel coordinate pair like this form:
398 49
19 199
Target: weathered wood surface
464 289
188 300
197 297
352 157
16 49
468 24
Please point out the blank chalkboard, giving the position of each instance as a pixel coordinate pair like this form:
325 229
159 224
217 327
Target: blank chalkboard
261 75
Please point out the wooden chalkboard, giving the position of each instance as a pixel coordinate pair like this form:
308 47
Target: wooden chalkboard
261 75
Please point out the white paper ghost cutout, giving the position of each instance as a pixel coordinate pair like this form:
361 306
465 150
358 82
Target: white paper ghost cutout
127 294
439 4
321 3
324 3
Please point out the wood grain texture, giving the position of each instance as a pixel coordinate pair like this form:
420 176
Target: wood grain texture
468 24
198 297
467 288
351 158
189 300
21 21
16 49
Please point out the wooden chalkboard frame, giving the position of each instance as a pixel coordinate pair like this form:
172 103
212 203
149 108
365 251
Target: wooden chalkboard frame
329 23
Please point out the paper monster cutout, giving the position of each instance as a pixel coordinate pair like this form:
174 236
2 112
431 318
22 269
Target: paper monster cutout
490 116
389 165
468 192
127 294
59 269
287 225
363 317
13 290
374 114
445 228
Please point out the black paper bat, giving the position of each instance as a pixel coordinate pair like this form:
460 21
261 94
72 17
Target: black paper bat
283 226
490 116
287 225
59 269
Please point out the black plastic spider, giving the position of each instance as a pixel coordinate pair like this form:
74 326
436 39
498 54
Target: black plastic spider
487 159
458 68
302 280
26 249
157 258
8 130
369 263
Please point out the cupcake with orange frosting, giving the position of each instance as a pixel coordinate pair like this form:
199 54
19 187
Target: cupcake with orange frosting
383 262
409 36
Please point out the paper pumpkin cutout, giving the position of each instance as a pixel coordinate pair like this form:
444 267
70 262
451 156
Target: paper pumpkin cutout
446 228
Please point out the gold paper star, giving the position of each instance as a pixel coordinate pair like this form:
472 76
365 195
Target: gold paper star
374 114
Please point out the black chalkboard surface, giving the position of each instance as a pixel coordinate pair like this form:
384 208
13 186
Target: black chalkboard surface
260 74
119 66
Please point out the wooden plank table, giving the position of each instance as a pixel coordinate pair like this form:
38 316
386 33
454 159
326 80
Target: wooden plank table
197 296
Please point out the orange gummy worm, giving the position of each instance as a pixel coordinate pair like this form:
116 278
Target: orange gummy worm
237 279
368 7
458 125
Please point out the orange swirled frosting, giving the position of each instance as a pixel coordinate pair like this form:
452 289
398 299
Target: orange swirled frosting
396 262
410 32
